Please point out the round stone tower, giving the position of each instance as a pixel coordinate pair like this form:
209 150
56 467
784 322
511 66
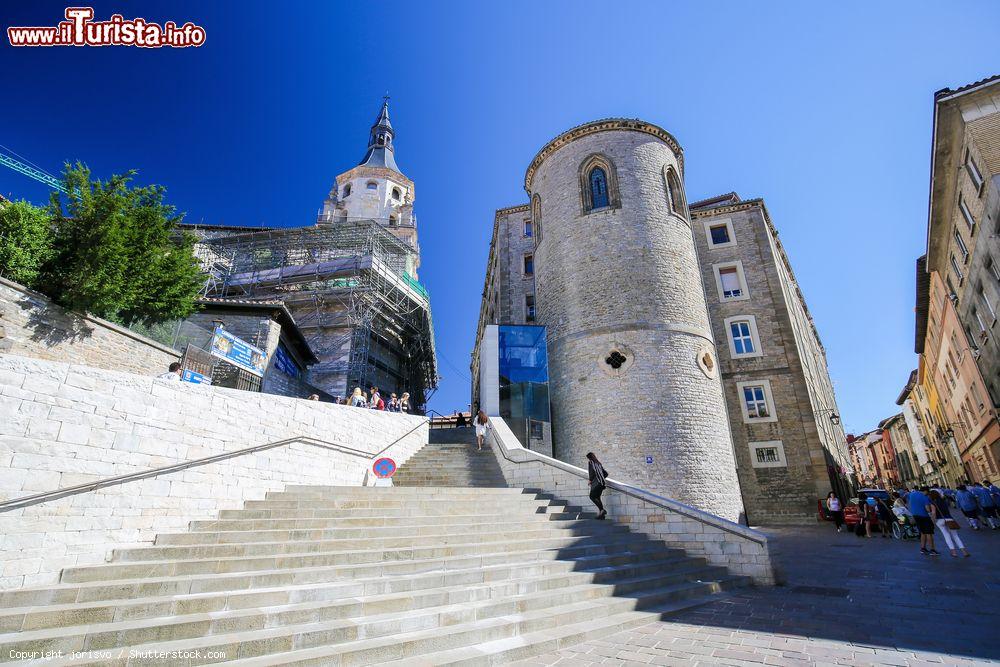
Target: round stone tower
633 371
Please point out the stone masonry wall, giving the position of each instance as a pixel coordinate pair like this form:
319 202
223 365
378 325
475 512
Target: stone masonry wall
720 542
62 425
625 279
33 326
788 357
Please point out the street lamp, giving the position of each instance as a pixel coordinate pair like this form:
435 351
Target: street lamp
834 417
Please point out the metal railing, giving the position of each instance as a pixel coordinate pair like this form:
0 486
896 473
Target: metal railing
25 501
447 421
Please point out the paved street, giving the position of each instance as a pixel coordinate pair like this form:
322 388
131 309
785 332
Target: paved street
844 601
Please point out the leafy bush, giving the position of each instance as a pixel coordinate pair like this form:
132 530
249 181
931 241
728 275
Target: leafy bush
25 241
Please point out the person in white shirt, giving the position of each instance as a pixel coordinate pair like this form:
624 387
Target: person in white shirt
173 374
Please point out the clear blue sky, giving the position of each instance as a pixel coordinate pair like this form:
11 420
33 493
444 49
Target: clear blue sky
825 111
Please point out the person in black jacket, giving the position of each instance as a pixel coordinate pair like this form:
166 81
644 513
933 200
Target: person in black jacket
598 478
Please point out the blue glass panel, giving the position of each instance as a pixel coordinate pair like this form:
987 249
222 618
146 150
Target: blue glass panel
524 373
598 188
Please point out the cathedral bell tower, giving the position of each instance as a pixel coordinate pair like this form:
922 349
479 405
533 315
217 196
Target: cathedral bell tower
376 189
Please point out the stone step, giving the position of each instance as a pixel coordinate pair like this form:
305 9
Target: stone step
518 504
528 645
394 576
566 546
363 618
358 596
247 537
252 549
365 640
377 513
372 491
566 514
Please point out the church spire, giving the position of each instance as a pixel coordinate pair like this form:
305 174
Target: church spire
380 149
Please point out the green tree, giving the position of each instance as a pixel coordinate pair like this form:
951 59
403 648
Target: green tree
117 252
25 241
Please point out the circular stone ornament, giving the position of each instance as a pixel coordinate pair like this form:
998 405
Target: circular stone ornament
616 360
707 362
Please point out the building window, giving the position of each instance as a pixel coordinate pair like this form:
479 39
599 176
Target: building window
967 214
529 307
396 194
769 454
393 221
730 281
743 339
984 297
979 320
536 217
962 247
371 185
347 190
529 265
956 269
598 185
598 188
675 193
720 233
756 401
974 173
528 231
993 269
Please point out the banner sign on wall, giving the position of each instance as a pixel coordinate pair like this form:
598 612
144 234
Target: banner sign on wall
238 352
284 363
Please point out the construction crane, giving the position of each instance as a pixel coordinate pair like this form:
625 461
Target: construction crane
31 171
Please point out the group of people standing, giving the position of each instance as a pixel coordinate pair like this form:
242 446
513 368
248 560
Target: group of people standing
373 400
927 510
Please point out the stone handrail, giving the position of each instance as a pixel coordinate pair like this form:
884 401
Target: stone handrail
722 542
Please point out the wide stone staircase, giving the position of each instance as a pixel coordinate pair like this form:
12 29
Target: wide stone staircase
451 459
462 572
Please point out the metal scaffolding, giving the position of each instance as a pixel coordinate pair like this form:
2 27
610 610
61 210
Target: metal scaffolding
349 285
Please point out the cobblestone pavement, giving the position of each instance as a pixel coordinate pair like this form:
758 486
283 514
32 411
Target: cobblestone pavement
844 600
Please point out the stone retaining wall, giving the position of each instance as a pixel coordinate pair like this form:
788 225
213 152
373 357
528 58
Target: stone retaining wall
63 425
721 542
32 325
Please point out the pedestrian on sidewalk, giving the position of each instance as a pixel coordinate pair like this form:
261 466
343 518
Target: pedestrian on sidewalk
482 422
393 403
867 513
941 513
835 509
598 482
969 506
173 373
886 516
920 508
376 402
358 398
987 509
404 402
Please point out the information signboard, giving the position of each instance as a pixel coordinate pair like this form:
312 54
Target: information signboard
238 352
284 363
195 377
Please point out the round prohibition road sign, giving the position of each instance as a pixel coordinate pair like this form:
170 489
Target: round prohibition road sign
384 467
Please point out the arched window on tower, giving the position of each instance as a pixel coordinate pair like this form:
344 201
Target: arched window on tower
598 188
347 190
675 193
393 221
395 194
536 217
